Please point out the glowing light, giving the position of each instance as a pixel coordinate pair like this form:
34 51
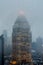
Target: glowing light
13 62
21 13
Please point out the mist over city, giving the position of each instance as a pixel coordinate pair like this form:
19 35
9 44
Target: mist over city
21 32
33 11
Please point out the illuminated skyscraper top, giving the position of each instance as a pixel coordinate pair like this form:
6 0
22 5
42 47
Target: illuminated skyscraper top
21 21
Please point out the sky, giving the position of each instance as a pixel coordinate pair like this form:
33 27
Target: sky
33 11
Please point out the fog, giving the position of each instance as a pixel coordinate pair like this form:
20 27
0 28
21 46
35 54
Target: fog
33 11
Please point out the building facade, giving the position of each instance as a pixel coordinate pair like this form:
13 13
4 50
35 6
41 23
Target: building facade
21 40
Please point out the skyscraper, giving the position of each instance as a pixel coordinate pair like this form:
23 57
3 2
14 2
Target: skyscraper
21 40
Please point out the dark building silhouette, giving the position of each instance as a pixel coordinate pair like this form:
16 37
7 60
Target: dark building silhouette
1 50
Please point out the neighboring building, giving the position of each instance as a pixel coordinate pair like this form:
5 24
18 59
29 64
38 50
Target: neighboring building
1 50
5 42
37 50
39 43
21 40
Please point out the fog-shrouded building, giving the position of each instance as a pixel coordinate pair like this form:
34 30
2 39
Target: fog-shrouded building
5 41
21 40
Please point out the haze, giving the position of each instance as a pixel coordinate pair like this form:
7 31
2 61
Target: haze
33 11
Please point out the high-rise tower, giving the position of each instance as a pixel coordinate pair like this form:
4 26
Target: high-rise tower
21 40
